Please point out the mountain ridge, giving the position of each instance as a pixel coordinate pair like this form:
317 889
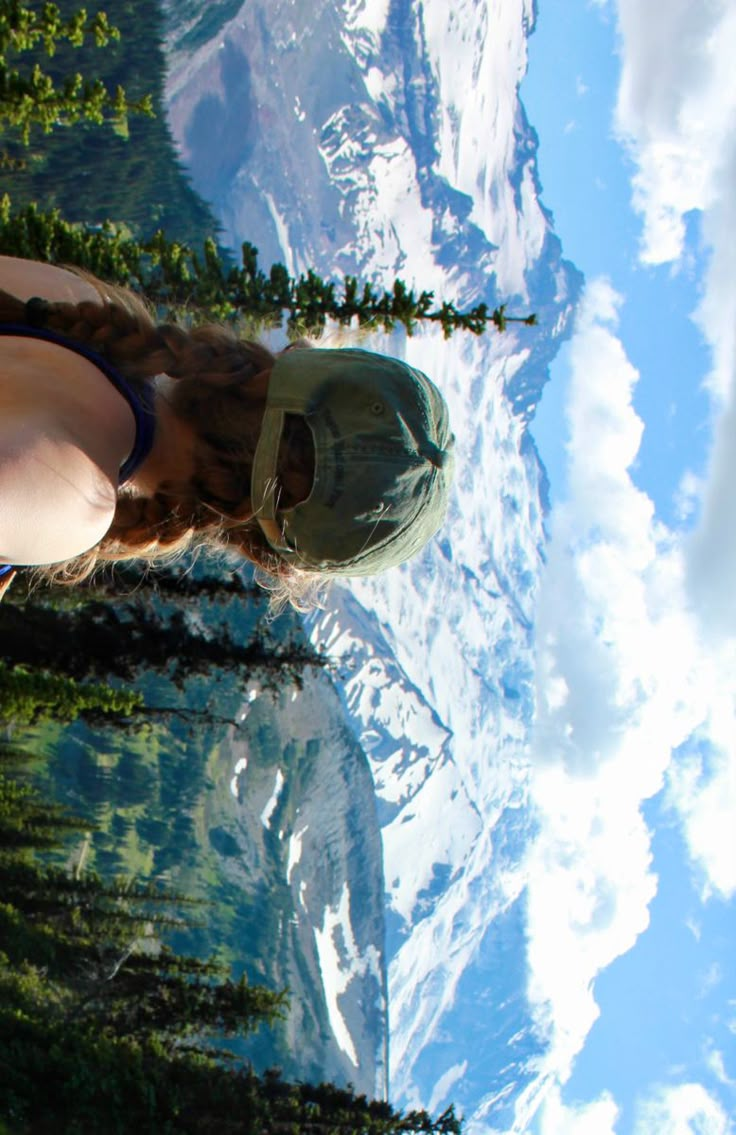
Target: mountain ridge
345 173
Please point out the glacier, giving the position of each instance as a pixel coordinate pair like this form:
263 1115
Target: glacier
385 138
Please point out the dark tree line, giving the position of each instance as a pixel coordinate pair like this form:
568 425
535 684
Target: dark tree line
29 96
125 168
28 696
105 631
61 648
103 1024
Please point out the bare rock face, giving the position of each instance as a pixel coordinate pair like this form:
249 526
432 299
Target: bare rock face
292 827
247 108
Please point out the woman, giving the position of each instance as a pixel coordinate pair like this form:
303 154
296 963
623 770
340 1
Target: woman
122 439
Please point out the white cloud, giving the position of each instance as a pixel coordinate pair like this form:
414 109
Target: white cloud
636 623
676 106
598 1117
601 742
704 793
712 555
614 639
687 1109
689 493
624 681
717 1066
710 979
675 113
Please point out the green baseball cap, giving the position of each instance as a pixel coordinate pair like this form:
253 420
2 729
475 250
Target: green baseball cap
383 461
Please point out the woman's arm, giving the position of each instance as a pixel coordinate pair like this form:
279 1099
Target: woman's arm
27 278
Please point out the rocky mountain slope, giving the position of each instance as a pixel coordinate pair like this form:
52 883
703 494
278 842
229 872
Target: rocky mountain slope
291 831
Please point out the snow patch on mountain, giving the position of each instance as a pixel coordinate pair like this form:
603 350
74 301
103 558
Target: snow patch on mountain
340 963
273 800
477 50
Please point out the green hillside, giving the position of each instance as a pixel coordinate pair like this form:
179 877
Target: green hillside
91 173
151 787
238 748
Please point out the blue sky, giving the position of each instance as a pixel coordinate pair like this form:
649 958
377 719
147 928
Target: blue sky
664 1004
586 184
635 166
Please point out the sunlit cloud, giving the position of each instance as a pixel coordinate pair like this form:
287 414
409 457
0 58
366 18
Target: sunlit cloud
717 1065
710 979
604 731
702 788
675 110
689 494
686 1109
557 1118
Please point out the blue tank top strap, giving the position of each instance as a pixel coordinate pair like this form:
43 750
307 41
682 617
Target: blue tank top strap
140 401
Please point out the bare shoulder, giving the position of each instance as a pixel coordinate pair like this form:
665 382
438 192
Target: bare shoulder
55 503
63 432
27 278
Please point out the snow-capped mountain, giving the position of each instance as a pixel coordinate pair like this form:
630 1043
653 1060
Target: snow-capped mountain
385 138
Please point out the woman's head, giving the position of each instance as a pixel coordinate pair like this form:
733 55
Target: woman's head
318 462
382 461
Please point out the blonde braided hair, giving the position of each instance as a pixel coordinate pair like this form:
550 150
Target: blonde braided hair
220 390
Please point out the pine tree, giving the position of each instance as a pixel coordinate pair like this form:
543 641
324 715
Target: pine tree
26 822
28 696
32 98
104 639
141 583
208 287
22 27
13 755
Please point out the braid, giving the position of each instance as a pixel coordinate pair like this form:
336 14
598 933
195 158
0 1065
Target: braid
119 328
13 310
220 391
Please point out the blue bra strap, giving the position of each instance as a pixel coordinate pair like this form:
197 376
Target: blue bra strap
140 401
